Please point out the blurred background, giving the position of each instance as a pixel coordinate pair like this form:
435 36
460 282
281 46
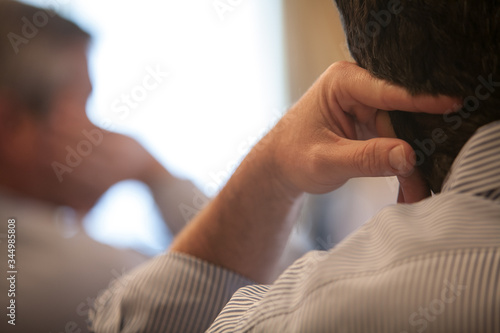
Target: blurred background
227 70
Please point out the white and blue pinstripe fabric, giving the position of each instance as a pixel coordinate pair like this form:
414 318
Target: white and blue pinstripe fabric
433 266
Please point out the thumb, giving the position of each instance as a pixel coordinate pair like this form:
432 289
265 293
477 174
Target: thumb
383 157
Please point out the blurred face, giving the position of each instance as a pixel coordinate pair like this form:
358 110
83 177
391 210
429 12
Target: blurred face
61 157
66 119
68 110
30 145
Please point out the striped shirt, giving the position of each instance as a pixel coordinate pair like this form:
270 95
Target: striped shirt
433 266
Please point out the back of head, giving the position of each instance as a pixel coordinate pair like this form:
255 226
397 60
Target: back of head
32 48
436 47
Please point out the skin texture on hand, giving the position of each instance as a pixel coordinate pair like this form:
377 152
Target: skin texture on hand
328 137
335 138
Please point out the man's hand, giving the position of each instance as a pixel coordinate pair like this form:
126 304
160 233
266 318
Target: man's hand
328 137
317 146
109 158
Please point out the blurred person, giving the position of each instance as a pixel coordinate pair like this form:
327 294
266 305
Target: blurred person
428 263
54 166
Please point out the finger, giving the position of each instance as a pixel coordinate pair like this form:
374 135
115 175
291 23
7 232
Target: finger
413 188
359 87
371 158
382 157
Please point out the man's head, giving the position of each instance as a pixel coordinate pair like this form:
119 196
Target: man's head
437 47
49 149
33 53
44 86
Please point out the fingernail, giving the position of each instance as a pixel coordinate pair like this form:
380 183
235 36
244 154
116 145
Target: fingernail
398 161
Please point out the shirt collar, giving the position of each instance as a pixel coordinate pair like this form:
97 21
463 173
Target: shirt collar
476 169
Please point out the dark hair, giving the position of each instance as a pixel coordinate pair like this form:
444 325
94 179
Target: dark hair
436 47
31 41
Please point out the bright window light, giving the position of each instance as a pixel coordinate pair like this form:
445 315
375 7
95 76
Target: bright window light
219 74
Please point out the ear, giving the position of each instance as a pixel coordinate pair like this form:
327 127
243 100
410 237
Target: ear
12 113
413 188
383 125
6 113
17 129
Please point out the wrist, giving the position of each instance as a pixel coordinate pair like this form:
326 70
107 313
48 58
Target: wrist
265 159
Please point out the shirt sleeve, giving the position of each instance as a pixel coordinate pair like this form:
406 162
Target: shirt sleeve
433 266
171 293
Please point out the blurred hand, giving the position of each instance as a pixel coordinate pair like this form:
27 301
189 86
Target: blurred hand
56 154
116 158
81 161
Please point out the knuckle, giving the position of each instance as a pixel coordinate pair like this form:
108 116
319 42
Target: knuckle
367 162
338 68
316 162
340 65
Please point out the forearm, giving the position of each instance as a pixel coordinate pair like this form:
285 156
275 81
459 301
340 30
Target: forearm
178 200
318 145
246 227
